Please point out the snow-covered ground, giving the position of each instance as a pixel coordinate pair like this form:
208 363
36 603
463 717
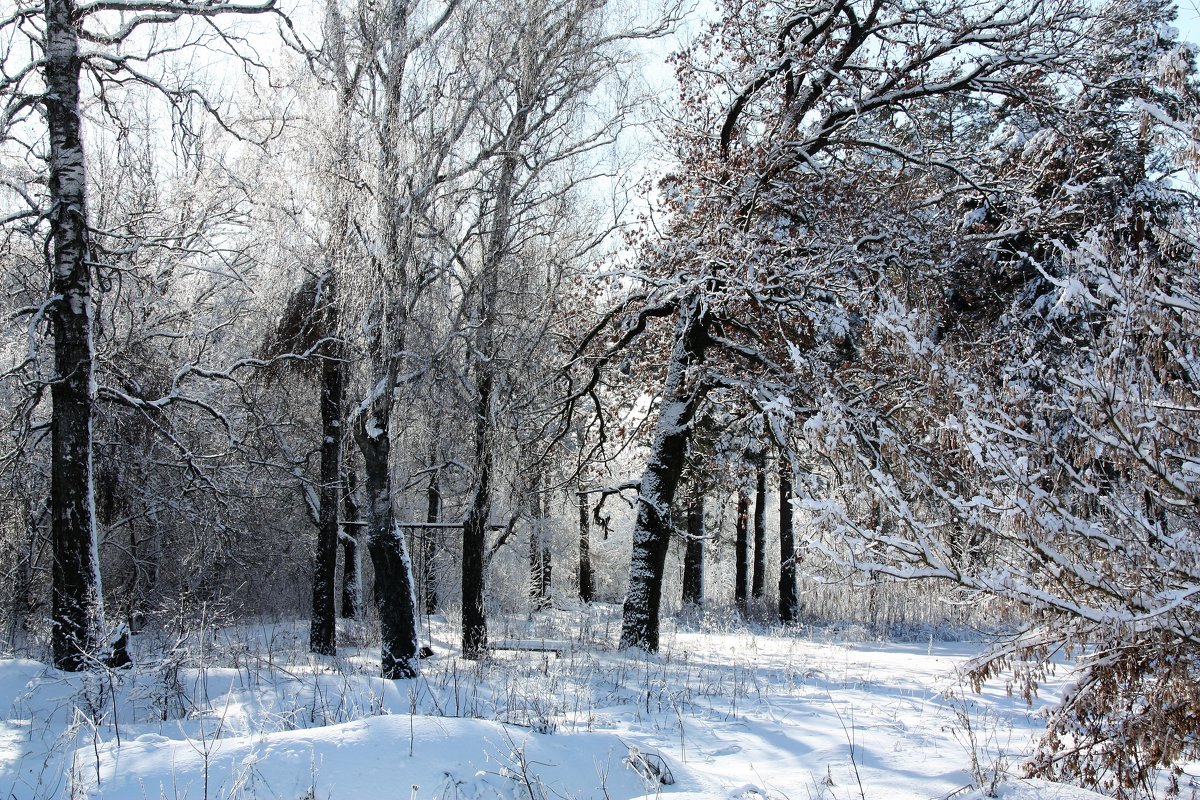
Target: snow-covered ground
721 712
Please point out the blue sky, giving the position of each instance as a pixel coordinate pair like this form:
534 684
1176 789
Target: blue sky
1189 20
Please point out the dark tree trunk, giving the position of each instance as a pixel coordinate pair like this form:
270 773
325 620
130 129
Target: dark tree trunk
587 588
352 596
77 610
322 637
474 619
539 552
429 542
394 593
789 602
693 554
351 588
475 525
681 399
741 554
759 580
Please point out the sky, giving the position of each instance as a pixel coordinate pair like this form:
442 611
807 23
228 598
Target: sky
1189 20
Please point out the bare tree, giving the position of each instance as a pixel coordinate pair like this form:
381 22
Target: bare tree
547 121
116 55
414 140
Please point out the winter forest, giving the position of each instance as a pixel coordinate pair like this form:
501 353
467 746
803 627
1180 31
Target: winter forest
766 400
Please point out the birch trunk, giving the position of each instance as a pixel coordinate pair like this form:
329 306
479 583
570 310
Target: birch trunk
77 609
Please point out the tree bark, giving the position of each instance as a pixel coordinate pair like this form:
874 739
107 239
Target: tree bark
789 601
352 596
77 609
682 395
587 588
693 554
395 594
759 580
433 513
474 619
351 582
741 553
322 637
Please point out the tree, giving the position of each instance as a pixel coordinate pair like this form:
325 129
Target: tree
759 573
433 514
541 561
545 124
779 222
394 70
55 31
77 612
1063 443
741 553
587 586
311 325
971 282
789 600
352 591
693 555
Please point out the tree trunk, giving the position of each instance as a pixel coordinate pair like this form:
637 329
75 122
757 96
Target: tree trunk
759 579
474 619
741 554
351 582
682 395
789 602
539 552
77 608
352 596
693 554
587 588
433 513
322 636
395 594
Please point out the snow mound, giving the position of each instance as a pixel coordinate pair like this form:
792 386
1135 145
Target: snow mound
394 756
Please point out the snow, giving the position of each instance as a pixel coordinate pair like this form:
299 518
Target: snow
393 756
1026 789
723 711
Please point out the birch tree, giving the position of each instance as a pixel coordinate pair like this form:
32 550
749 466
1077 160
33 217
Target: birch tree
81 48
